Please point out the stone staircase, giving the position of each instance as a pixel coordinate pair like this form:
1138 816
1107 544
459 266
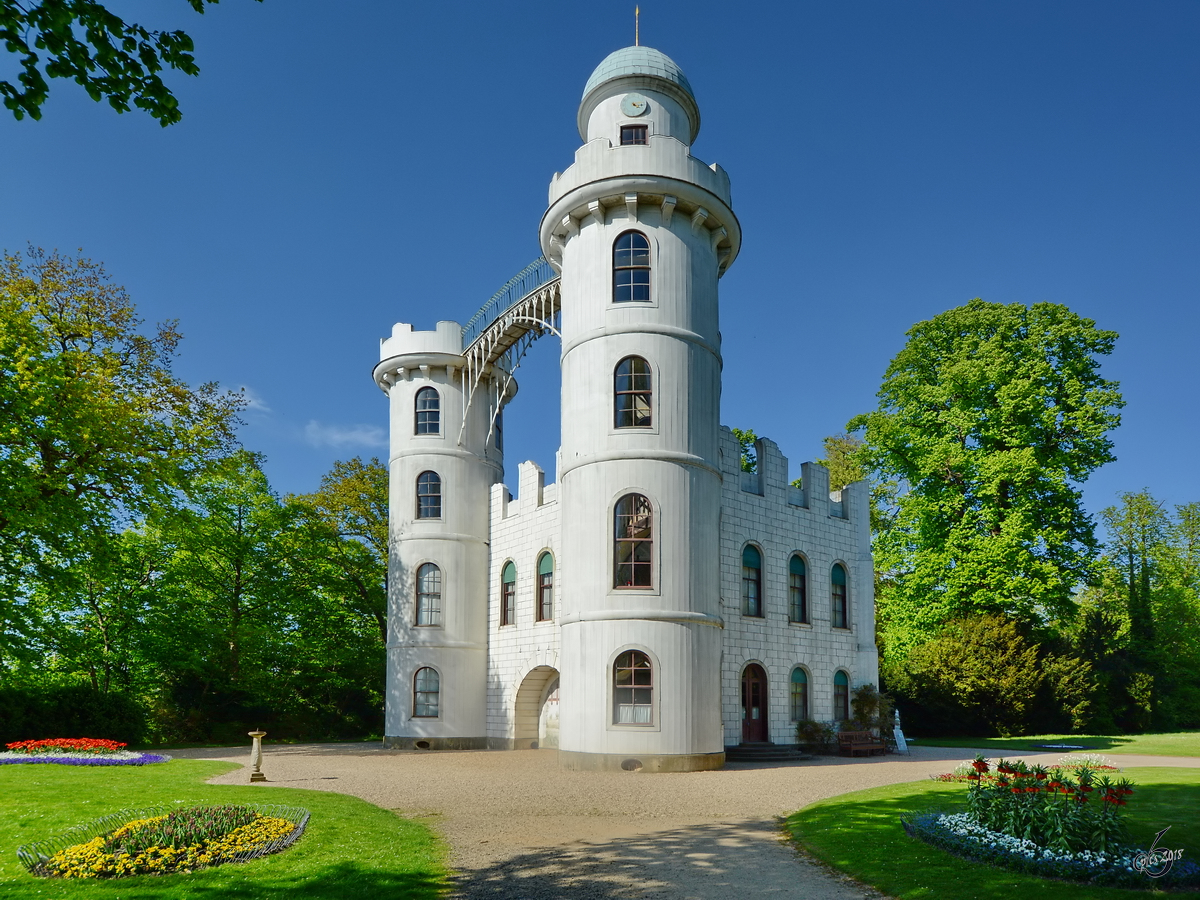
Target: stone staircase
765 752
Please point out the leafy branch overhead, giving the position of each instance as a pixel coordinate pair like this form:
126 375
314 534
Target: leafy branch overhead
82 40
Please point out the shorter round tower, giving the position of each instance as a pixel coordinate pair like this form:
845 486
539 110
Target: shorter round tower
445 455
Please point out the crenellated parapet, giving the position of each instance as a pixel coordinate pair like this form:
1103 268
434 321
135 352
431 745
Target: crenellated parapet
661 180
773 483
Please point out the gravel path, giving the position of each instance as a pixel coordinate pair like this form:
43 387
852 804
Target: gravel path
521 828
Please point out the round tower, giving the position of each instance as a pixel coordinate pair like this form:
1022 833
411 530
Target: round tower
442 463
641 232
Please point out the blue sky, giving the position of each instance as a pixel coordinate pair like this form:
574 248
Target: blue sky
344 166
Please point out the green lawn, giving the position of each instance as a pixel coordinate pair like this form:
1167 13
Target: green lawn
860 834
350 848
1180 743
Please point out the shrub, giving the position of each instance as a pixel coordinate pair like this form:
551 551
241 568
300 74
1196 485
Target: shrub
76 709
871 711
819 736
979 676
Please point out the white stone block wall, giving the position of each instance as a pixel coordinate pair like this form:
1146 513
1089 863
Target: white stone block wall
522 528
779 529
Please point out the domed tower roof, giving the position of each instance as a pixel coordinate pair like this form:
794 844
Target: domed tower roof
631 68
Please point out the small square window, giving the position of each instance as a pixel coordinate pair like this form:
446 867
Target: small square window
633 134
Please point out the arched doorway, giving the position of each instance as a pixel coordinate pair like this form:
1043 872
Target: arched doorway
754 704
535 720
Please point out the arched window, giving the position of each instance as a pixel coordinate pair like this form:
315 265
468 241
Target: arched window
500 430
837 581
429 595
429 496
429 412
799 695
427 685
841 696
631 267
751 581
634 542
545 603
508 594
797 589
633 689
632 393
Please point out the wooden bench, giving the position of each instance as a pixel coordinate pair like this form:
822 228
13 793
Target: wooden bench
852 743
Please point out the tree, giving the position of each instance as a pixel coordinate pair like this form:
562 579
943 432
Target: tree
112 59
348 536
747 439
94 427
843 459
978 675
989 419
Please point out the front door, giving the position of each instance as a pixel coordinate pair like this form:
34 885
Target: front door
754 705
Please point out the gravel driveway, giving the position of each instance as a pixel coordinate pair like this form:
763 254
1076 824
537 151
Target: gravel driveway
521 828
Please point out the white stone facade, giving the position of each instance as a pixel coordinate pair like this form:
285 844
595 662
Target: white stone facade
611 614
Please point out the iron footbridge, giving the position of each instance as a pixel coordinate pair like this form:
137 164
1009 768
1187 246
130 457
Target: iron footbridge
497 337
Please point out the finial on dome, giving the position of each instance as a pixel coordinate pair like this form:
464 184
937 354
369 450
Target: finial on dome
637 12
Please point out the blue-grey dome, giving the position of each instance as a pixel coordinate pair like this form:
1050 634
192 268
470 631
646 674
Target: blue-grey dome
637 61
638 68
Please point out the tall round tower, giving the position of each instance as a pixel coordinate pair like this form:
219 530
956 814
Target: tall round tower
445 456
641 232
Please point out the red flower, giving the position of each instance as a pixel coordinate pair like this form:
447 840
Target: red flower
1040 776
1016 790
980 765
85 745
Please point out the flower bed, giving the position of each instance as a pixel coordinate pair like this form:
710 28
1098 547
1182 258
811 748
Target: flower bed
965 771
1044 821
76 752
1125 867
161 841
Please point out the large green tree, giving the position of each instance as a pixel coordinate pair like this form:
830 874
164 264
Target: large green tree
83 40
989 420
94 426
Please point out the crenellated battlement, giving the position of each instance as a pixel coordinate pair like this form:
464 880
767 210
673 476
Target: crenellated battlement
532 494
773 482
445 339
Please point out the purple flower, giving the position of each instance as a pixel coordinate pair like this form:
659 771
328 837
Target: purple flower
139 760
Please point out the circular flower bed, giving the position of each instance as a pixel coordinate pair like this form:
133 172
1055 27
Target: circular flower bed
162 841
1125 867
76 752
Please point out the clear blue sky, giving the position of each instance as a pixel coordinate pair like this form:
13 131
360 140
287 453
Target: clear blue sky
342 166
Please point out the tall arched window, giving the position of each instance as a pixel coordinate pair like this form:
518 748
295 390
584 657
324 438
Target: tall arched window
427 686
632 393
545 602
837 582
633 689
633 542
841 696
797 589
429 595
631 267
508 594
429 412
799 695
751 581
429 496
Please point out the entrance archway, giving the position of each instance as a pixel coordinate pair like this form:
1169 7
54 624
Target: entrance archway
754 704
535 720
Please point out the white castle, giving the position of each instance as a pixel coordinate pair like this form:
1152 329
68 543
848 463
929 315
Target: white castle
657 604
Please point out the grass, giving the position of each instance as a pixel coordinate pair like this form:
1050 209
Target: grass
1180 743
860 835
350 848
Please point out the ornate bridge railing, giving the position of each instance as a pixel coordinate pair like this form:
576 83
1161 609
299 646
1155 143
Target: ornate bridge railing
525 309
529 279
